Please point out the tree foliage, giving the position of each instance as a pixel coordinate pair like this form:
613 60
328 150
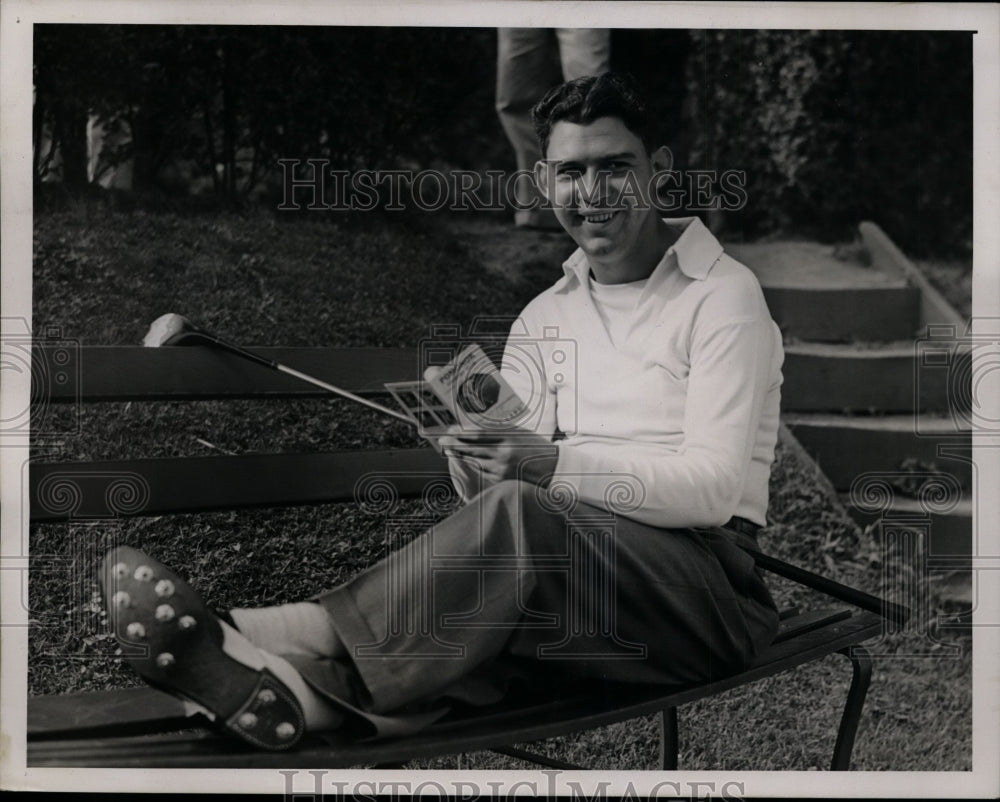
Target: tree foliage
833 127
223 103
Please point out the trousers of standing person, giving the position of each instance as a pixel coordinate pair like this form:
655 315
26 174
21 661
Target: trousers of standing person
525 71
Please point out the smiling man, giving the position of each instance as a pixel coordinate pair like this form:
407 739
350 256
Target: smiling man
678 373
600 544
597 175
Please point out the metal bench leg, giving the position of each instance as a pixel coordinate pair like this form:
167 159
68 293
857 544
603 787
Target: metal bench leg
669 741
862 662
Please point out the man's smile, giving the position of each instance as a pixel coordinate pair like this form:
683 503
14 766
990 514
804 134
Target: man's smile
597 218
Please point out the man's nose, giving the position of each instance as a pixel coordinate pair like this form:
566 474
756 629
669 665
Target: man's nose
591 187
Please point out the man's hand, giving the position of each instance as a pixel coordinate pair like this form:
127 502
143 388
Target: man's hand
510 454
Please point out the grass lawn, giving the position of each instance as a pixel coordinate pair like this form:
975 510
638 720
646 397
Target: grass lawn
102 273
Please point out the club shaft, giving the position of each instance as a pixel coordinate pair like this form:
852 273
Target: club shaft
199 336
344 393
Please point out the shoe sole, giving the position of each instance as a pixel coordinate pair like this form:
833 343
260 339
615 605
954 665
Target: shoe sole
174 642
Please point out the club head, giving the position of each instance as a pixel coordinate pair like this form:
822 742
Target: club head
191 338
169 329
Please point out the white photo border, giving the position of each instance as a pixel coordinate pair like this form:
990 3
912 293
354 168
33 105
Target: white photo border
16 20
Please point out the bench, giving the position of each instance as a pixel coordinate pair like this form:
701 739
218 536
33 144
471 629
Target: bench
143 727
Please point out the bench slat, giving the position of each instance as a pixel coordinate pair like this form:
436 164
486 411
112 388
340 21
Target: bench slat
134 373
120 712
87 490
796 625
481 730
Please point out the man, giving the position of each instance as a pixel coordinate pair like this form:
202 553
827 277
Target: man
601 544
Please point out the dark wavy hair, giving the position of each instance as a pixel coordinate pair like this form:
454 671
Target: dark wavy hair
583 100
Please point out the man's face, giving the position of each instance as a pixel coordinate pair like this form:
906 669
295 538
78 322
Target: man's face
597 176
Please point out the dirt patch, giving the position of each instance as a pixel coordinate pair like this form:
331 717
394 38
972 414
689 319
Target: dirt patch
811 265
519 255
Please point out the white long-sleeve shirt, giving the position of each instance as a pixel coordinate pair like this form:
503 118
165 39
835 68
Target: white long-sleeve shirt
681 404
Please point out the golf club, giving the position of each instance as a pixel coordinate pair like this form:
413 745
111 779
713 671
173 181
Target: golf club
174 329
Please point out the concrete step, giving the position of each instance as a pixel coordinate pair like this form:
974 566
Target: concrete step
885 255
847 446
828 293
948 533
890 378
845 315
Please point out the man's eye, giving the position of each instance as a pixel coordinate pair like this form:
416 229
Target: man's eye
569 172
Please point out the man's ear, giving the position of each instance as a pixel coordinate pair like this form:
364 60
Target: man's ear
543 178
662 159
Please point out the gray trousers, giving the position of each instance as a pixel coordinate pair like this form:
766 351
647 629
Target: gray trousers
520 584
525 73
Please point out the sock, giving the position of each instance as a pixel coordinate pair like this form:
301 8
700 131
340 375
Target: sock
299 628
223 615
319 713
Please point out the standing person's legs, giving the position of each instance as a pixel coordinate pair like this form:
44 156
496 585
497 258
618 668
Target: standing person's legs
584 51
524 72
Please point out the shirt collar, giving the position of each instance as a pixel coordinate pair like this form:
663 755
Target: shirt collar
696 251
